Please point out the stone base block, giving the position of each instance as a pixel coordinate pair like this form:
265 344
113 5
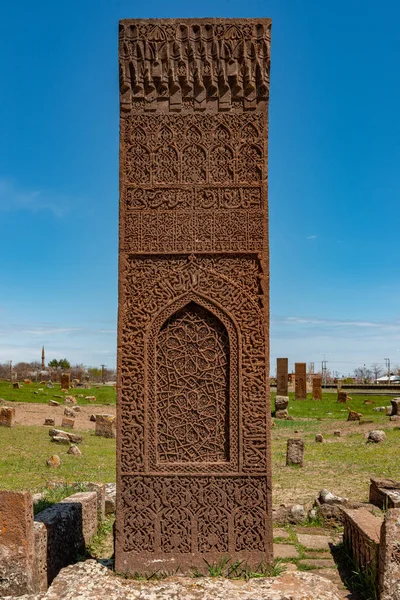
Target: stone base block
7 416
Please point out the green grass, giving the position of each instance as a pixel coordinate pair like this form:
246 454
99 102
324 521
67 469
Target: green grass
56 494
24 452
26 393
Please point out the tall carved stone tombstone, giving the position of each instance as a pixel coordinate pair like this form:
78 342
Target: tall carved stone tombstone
193 444
300 382
282 379
317 387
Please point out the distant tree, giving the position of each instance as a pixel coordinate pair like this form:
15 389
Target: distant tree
53 363
363 374
377 370
64 364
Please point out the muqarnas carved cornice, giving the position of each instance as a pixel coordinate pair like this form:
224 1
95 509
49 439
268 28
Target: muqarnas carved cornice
197 64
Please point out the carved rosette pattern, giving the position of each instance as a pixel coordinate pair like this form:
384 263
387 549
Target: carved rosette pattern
193 450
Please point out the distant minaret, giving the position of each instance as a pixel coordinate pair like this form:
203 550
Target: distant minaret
43 365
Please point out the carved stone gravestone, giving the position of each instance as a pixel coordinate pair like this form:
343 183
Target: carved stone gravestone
300 382
281 376
317 387
193 424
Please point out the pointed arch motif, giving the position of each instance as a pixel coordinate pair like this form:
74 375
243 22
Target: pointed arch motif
138 169
194 164
221 164
192 364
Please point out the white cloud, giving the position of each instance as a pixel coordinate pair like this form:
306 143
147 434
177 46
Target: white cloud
14 197
311 237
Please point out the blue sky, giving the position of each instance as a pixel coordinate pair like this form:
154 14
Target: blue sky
334 183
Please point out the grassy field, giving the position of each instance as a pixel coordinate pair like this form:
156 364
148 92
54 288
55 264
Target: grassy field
341 464
35 392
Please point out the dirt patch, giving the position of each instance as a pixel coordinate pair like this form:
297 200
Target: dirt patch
35 414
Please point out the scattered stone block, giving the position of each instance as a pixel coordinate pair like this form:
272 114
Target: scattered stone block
89 518
319 438
74 438
297 514
106 426
69 412
384 493
395 402
17 544
368 402
395 418
90 398
70 400
376 436
362 536
354 416
388 411
74 450
67 422
16 385
40 563
100 489
54 461
109 505
281 402
282 414
49 422
326 497
7 416
76 409
341 397
54 403
389 556
60 439
92 418
337 433
379 409
295 452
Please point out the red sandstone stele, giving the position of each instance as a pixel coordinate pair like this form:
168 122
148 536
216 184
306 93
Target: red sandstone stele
193 433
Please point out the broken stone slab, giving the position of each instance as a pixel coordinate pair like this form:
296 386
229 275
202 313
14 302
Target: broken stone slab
60 439
281 414
54 461
285 551
92 418
395 402
384 493
7 416
54 403
49 422
106 426
326 497
90 579
337 433
377 436
281 402
379 409
315 542
70 400
342 397
67 422
319 438
297 514
295 452
354 416
90 398
69 412
74 450
74 438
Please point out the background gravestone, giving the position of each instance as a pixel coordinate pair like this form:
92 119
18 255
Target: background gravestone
300 382
65 381
317 387
281 376
193 353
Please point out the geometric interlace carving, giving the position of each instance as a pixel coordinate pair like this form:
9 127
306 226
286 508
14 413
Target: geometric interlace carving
192 388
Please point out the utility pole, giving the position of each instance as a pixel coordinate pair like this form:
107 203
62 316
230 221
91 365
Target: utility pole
387 362
10 370
103 373
324 371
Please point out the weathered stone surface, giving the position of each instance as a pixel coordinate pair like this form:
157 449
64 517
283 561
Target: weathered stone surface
281 414
300 382
74 438
319 438
362 535
60 439
91 398
193 394
109 505
384 493
40 562
67 422
295 452
282 377
280 533
315 542
100 489
89 580
389 556
17 544
74 450
92 418
105 426
89 514
70 400
395 402
296 514
326 497
337 433
376 436
285 551
69 412
7 416
354 416
49 422
317 387
342 396
54 461
318 563
281 402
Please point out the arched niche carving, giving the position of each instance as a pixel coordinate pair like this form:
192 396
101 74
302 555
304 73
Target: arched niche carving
192 369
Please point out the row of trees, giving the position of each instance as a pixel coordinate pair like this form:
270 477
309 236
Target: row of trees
34 371
366 374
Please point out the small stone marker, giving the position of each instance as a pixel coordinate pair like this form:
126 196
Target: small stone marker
337 433
395 406
54 461
317 387
90 398
92 418
342 396
69 412
70 400
65 381
319 438
67 422
295 452
16 385
105 426
376 436
76 409
300 382
54 403
354 416
281 376
49 422
74 438
281 404
74 450
7 416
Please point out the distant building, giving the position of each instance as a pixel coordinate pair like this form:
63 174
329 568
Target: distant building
393 379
